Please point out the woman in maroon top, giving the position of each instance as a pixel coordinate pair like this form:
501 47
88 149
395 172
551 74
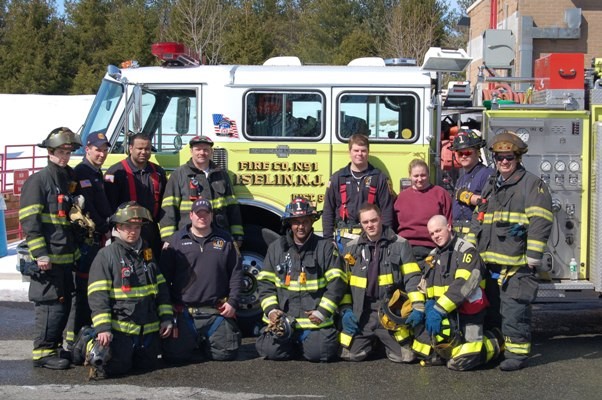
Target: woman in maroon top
416 205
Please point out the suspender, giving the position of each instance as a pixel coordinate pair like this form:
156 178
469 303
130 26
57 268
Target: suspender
343 185
132 185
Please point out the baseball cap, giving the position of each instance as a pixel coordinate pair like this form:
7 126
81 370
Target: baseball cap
97 139
201 204
200 139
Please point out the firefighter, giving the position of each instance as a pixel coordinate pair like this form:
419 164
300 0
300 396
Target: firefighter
46 199
203 268
350 187
135 178
511 228
467 146
128 298
97 207
379 262
200 177
301 283
456 304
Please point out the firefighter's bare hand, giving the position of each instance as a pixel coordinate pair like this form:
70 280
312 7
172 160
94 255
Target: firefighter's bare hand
315 317
166 329
104 338
45 265
227 311
274 315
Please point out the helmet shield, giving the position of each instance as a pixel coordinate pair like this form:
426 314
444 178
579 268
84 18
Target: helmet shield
508 141
467 139
299 207
61 137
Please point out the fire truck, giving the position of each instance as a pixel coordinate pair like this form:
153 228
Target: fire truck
281 130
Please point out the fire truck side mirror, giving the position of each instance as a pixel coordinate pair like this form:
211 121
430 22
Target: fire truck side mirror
183 115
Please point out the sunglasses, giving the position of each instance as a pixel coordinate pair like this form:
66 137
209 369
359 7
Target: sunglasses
464 153
500 158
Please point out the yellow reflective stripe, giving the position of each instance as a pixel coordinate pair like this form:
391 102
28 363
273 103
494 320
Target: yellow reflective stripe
131 328
165 309
218 203
30 210
536 211
170 201
134 292
328 304
467 349
237 230
305 323
70 336
506 216
358 281
345 339
536 245
185 206
497 258
37 243
267 276
434 292
160 279
231 200
416 296
55 220
335 273
421 348
517 348
347 299
101 319
310 285
445 303
385 279
462 273
490 348
402 333
62 258
41 353
410 268
269 301
167 231
99 286
471 238
461 229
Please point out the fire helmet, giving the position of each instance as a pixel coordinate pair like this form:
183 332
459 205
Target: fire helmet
283 329
449 338
131 213
394 310
468 139
60 137
508 141
299 207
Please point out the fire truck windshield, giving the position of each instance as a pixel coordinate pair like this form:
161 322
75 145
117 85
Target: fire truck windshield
103 109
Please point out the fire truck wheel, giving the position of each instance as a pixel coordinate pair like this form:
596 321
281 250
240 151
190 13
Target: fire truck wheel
255 245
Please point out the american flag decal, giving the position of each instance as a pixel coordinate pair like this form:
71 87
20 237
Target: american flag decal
224 126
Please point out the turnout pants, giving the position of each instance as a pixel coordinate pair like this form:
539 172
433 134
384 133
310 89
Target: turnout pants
510 309
316 345
51 292
217 337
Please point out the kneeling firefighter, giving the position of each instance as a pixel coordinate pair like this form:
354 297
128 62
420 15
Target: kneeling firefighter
129 301
454 280
300 285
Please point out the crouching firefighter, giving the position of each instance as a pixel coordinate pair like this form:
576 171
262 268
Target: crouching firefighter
129 301
454 280
379 263
203 268
300 285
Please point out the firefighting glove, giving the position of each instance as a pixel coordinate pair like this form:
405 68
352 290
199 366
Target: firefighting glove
433 318
415 318
464 196
350 323
518 230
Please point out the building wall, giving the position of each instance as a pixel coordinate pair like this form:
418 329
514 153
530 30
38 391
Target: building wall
545 14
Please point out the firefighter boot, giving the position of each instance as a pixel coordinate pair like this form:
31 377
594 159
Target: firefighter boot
513 363
85 334
52 362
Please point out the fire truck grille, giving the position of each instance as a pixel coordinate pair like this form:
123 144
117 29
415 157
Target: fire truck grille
220 157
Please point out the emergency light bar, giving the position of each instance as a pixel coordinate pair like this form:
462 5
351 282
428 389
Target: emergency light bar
174 53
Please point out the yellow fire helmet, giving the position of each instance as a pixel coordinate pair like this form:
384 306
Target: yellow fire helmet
508 141
61 137
131 213
394 310
448 339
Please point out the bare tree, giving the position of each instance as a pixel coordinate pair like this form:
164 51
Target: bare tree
201 25
412 27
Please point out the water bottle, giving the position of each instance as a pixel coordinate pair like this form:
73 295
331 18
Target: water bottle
574 272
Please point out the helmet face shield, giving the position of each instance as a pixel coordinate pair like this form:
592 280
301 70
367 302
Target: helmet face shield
61 137
131 213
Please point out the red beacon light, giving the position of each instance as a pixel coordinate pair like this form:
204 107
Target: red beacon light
173 53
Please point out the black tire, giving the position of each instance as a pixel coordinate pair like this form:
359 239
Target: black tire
255 245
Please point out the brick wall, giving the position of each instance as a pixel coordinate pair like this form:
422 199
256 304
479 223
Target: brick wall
11 216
